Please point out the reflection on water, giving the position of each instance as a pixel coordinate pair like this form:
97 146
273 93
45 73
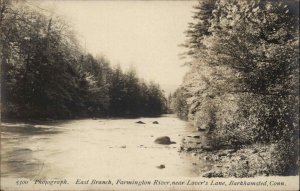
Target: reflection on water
27 129
96 148
20 162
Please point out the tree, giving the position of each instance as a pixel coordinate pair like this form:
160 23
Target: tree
198 29
259 43
248 66
44 73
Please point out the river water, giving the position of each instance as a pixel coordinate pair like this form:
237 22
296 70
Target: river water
106 148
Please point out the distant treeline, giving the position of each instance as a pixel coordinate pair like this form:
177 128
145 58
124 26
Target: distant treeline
46 74
243 83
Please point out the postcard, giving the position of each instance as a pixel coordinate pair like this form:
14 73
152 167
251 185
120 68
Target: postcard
149 95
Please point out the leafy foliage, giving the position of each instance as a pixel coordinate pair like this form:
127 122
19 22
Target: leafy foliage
45 74
243 87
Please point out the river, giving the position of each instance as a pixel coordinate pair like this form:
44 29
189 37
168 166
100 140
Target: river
106 148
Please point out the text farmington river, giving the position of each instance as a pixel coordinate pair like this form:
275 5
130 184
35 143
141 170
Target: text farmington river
107 183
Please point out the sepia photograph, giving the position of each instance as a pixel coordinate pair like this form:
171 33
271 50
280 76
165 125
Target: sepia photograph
149 95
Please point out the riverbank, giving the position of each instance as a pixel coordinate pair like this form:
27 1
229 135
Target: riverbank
248 161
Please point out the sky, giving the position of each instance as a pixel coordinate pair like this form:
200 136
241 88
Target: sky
141 34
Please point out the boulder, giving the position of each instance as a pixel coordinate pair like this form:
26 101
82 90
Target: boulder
223 154
230 151
206 148
255 150
201 128
243 157
155 122
165 140
213 173
161 166
140 122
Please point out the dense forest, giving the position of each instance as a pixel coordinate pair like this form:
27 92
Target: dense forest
45 73
243 84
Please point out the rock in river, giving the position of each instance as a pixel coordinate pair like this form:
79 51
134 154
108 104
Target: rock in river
140 122
161 166
155 122
165 140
